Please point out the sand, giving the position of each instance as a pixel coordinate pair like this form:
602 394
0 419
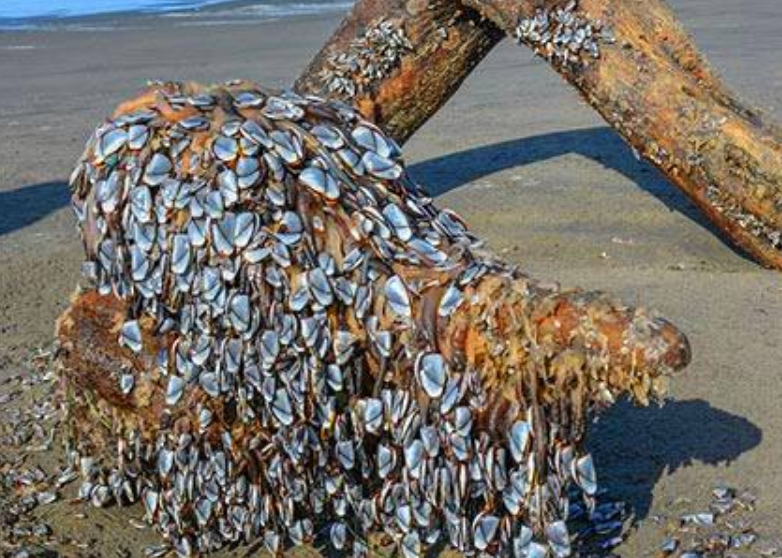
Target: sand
530 166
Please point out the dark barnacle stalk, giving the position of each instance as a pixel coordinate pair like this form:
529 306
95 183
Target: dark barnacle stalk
286 330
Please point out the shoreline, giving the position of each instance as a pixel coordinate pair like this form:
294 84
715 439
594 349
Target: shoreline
214 12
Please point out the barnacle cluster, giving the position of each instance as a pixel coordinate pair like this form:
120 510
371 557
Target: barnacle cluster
371 57
563 35
761 230
328 353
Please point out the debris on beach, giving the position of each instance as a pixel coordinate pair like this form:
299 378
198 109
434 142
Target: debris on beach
29 418
723 529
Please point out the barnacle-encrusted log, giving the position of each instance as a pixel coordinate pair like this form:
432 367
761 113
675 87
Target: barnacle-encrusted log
632 61
287 330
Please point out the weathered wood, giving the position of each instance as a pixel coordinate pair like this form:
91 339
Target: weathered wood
446 42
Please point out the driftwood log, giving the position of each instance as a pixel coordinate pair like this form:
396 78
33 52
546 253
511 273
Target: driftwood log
441 42
287 328
397 62
631 60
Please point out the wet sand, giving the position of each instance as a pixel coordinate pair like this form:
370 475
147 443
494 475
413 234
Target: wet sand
530 166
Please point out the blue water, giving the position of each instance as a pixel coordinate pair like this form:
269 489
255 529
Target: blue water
31 12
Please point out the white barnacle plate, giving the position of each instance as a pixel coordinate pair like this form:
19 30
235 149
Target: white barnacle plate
130 336
559 539
175 389
320 181
126 383
519 440
432 374
373 415
282 408
451 300
398 297
372 140
484 530
338 535
411 545
248 99
585 475
328 136
158 169
137 137
381 167
225 149
111 142
320 287
181 254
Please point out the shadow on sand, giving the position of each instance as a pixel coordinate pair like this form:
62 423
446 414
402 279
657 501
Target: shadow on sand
603 145
24 206
635 447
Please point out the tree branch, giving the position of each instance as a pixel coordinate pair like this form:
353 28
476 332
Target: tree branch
399 61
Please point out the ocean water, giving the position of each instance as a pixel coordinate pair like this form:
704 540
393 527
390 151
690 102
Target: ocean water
27 13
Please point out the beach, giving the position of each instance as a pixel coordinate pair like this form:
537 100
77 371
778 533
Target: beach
529 165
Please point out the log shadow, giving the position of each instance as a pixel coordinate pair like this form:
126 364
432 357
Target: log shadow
600 144
24 206
635 447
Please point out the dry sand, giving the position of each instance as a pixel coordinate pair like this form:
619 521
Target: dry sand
521 158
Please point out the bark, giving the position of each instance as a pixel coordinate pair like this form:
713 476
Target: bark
649 82
446 42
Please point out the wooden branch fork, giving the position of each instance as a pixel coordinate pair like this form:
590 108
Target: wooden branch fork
284 323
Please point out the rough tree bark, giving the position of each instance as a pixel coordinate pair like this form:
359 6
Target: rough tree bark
637 67
445 41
